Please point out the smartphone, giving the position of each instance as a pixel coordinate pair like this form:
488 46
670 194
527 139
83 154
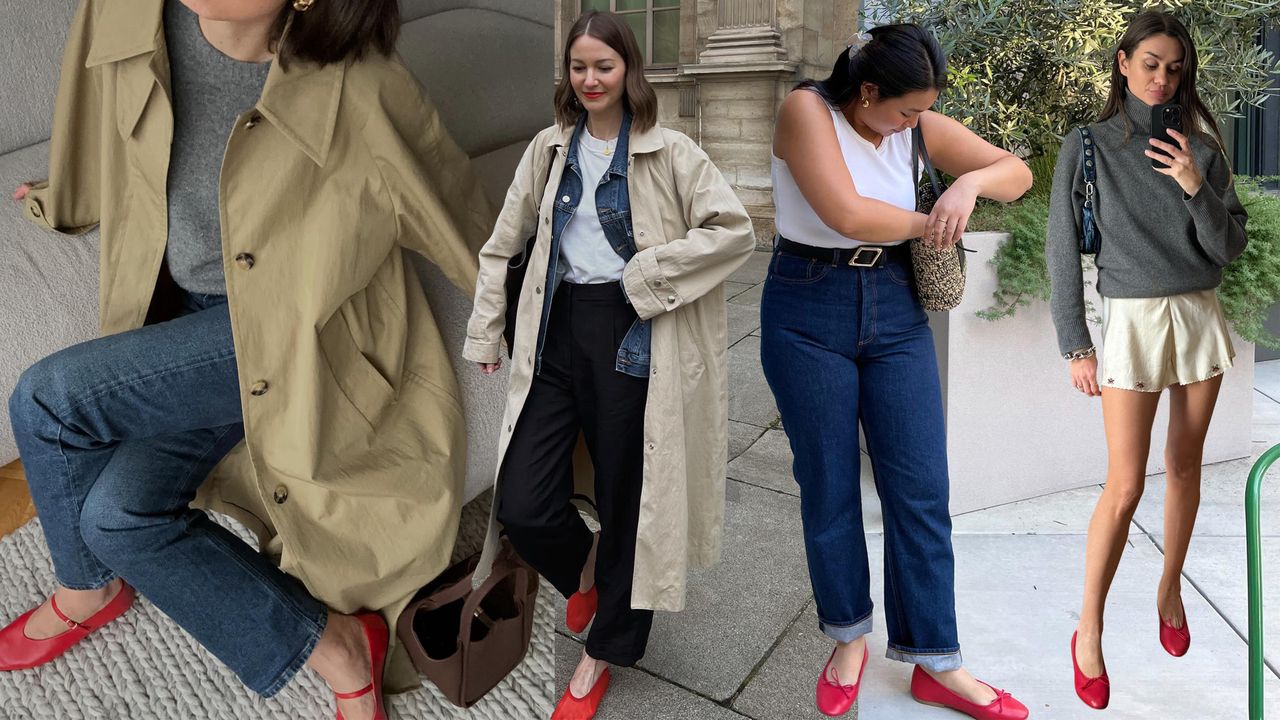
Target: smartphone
1164 118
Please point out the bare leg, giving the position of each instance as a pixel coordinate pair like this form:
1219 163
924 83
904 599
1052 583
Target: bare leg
585 676
1190 409
342 658
589 567
1128 416
846 665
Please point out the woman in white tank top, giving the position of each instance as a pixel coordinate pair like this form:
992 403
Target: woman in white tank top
844 341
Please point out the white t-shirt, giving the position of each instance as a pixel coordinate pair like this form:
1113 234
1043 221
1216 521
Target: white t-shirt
584 250
883 173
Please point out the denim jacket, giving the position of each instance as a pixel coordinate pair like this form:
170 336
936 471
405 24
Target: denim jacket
613 204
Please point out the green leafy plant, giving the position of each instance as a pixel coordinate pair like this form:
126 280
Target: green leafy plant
1024 72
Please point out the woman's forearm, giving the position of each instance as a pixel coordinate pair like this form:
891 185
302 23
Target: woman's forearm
1004 180
874 221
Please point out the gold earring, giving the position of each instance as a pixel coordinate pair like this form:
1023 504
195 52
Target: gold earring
303 5
865 102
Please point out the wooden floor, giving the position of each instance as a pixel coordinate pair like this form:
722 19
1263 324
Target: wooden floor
15 502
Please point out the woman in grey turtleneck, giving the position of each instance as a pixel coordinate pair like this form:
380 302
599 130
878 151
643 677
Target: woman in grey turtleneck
1167 233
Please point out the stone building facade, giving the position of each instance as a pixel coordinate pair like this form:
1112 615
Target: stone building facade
736 60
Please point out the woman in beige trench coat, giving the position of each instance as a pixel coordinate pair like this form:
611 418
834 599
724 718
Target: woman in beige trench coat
296 326
620 335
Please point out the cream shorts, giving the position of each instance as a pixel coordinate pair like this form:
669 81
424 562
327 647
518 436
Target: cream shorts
1149 344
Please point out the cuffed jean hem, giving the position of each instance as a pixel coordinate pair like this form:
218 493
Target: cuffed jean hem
283 677
846 633
92 585
932 660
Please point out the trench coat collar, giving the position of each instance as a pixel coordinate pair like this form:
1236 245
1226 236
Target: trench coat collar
302 102
638 142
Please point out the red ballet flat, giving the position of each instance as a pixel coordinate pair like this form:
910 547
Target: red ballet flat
1094 691
19 652
583 708
928 691
378 637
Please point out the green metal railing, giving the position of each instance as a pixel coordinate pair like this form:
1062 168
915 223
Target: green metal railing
1253 531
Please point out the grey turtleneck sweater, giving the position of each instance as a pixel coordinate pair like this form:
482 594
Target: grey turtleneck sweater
210 90
1156 241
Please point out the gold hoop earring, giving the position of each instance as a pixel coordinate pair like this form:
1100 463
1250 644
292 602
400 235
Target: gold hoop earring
303 5
865 102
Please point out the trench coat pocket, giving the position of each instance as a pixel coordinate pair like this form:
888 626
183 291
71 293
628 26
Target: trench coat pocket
363 384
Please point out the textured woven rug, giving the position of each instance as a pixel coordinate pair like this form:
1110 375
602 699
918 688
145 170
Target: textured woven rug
144 667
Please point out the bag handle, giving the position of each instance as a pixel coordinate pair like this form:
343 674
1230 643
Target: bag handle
918 152
445 595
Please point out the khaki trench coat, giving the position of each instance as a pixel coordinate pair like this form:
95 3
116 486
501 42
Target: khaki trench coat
691 232
353 463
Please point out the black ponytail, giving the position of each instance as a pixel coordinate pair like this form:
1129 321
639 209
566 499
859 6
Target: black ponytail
898 59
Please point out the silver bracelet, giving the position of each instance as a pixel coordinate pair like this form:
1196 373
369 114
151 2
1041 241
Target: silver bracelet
1080 354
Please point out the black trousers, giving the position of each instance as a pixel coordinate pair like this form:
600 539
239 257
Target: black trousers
578 389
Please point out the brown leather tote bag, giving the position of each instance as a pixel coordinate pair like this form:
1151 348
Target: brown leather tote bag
466 641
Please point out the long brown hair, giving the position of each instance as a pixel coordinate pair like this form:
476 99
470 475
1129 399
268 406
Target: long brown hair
638 97
1143 26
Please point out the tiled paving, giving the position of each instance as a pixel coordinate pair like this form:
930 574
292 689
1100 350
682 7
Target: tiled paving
748 644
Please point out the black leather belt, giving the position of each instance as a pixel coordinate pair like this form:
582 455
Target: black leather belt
863 256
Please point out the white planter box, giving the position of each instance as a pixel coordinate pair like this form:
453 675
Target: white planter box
1016 428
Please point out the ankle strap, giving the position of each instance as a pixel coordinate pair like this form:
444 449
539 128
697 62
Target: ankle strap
358 693
53 603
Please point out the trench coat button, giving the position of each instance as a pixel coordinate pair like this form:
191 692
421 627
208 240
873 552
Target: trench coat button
671 298
508 428
538 290
253 121
650 446
280 495
546 221
654 371
259 388
245 261
641 233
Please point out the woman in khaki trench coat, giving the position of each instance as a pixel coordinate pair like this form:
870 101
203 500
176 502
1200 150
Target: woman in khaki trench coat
620 336
273 160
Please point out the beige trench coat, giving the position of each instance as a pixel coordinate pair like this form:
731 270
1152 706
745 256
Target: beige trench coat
352 469
692 232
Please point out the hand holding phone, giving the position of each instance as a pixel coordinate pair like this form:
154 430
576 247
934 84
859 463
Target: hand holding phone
1170 148
1164 118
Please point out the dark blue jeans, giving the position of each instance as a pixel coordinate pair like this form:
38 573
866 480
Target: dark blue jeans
116 435
842 346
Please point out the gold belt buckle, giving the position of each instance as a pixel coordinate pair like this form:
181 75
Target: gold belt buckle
875 253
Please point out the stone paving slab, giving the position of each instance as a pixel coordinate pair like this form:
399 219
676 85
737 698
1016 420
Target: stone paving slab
753 271
733 289
1266 378
1061 513
1266 419
1017 604
750 399
635 694
738 608
1221 501
741 437
1218 567
743 321
750 296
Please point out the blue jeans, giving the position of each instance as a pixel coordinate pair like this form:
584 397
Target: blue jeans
842 346
116 435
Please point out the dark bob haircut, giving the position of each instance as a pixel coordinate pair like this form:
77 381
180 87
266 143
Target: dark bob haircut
898 59
333 31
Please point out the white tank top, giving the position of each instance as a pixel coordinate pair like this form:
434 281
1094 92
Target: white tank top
882 173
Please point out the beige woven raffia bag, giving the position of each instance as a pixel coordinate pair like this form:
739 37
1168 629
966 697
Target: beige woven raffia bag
939 273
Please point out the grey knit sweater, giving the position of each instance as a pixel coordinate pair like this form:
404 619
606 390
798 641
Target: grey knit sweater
1156 241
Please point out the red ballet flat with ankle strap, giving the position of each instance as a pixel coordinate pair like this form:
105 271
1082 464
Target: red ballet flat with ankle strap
583 708
928 691
581 609
833 698
1094 691
19 652
1176 641
378 637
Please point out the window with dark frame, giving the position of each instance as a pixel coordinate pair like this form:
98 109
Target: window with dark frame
656 24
